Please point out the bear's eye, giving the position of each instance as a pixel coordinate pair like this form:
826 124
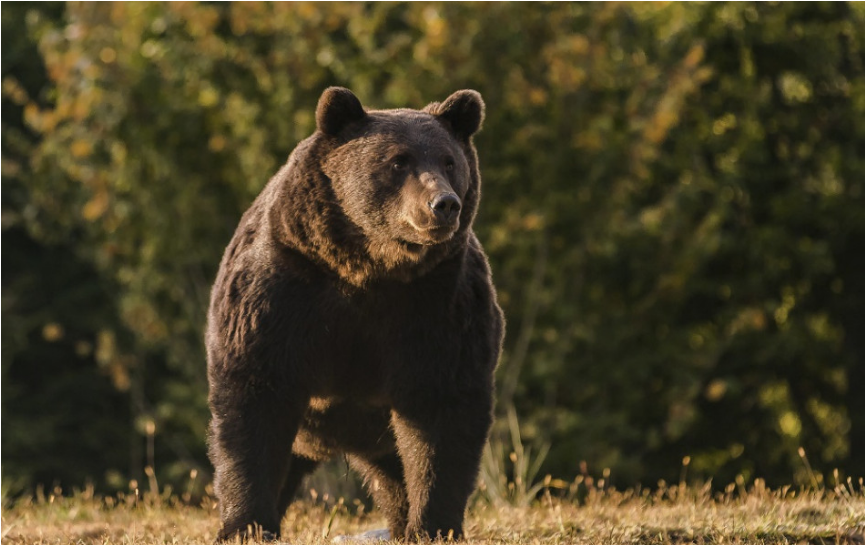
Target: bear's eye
399 164
449 164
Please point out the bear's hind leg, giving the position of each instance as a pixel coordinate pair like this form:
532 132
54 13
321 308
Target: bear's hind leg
300 467
383 477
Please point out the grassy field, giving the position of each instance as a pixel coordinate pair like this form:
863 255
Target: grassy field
673 515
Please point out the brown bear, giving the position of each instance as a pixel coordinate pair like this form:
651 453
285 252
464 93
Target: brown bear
354 314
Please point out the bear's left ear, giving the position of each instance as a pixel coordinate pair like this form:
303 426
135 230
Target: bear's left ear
336 108
463 110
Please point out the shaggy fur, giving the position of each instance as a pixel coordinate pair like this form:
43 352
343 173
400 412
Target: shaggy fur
354 313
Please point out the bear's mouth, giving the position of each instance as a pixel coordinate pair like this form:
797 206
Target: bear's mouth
419 237
411 247
436 234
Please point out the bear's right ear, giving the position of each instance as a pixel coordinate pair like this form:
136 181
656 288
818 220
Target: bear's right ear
337 107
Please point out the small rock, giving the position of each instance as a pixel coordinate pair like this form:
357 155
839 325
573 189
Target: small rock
382 534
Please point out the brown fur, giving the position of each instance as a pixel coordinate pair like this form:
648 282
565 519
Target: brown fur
354 313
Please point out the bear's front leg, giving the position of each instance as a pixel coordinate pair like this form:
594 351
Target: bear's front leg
250 446
440 439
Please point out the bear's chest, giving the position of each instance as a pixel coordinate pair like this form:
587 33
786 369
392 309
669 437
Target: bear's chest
352 345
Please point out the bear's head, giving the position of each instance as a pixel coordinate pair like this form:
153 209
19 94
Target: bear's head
405 183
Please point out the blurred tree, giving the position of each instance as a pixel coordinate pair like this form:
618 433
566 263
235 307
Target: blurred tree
779 142
673 205
55 394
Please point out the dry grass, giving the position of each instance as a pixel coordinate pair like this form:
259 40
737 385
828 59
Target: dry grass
672 515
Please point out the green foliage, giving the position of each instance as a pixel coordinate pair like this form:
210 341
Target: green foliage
511 479
673 207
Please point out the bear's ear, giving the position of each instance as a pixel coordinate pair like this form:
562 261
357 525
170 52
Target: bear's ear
464 110
337 107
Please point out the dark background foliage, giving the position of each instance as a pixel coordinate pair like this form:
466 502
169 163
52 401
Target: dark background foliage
673 207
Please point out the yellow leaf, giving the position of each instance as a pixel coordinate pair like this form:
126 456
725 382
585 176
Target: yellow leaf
694 56
216 143
96 206
81 148
52 332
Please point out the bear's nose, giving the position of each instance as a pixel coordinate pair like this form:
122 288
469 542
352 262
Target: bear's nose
446 206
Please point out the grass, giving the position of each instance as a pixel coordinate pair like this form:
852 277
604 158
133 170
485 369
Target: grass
669 515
